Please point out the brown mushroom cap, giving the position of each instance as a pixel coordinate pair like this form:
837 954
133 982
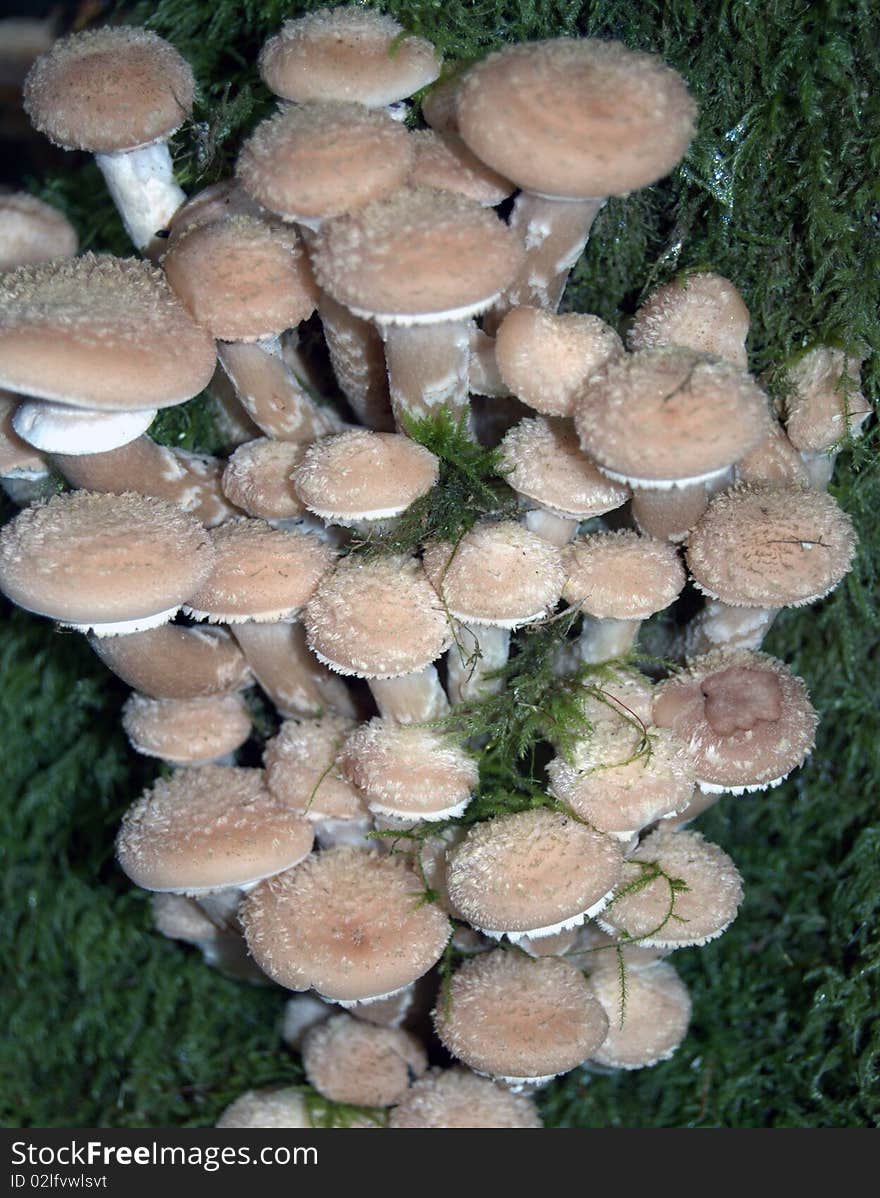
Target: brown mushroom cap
824 402
702 311
445 162
300 769
348 1060
107 90
765 546
747 720
186 731
348 922
100 332
621 575
459 1098
347 54
516 1017
656 1012
173 662
576 117
257 478
33 232
209 828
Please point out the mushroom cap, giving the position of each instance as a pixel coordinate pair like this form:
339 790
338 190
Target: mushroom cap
417 256
348 1060
517 1017
774 460
655 1014
532 871
653 914
209 828
316 161
273 1107
438 104
670 415
217 201
459 1098
594 947
260 573
376 618
88 558
619 699
499 573
100 332
702 311
242 278
766 546
364 475
107 90
257 478
621 575
186 731
347 54
181 918
32 232
824 402
747 720
173 662
576 117
348 922
447 164
542 460
301 770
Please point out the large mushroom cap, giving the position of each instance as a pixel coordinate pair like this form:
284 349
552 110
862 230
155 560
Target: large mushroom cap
186 731
459 1098
172 662
576 117
348 1060
108 90
647 1021
621 575
702 311
100 332
32 232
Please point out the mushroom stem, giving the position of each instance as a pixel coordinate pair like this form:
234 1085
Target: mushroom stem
289 673
669 515
415 698
603 640
485 377
358 359
427 367
719 626
141 183
479 650
819 468
558 530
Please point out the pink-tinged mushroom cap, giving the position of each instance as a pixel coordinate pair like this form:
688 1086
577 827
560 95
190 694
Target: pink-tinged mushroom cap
257 478
348 1060
459 1098
621 576
301 769
32 231
824 402
186 731
702 311
649 1022
447 164
274 1107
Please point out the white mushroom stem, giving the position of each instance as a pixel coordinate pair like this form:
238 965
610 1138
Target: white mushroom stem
721 626
59 428
427 367
416 698
819 467
558 530
485 377
604 640
357 355
479 650
669 515
142 185
289 672
221 907
230 418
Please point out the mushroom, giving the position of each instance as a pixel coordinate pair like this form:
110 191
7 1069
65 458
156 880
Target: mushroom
700 310
32 231
175 662
186 731
459 1098
290 674
350 1061
647 1021
278 1107
223 948
257 479
444 162
823 406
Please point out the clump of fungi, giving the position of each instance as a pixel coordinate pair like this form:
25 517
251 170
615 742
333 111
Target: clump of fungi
372 854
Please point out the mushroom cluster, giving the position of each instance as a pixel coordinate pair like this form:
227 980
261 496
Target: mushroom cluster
367 863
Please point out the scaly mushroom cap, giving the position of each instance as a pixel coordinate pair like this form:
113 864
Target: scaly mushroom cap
702 311
670 415
519 1018
186 731
347 54
765 546
173 662
459 1098
86 558
209 828
364 475
242 278
300 769
447 164
655 915
108 90
546 359
33 232
542 460
747 720
409 772
217 201
260 573
824 402
100 332
377 618
621 700
499 573
257 478
348 1060
594 948
621 575
649 1023
284 1107
774 460
348 922
532 872
576 117
417 256
315 161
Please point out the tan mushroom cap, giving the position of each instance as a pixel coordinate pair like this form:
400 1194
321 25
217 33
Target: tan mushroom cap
186 731
32 232
546 359
86 558
107 90
594 948
747 720
701 310
576 117
409 772
698 914
621 575
670 415
100 332
364 475
517 1017
459 1098
348 1060
542 460
824 402
438 104
534 872
260 573
217 201
257 478
655 1019
173 662
209 828
774 460
417 256
499 573
377 618
242 278
347 54
348 922
315 161
765 546
446 163
621 699
301 770
274 1107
